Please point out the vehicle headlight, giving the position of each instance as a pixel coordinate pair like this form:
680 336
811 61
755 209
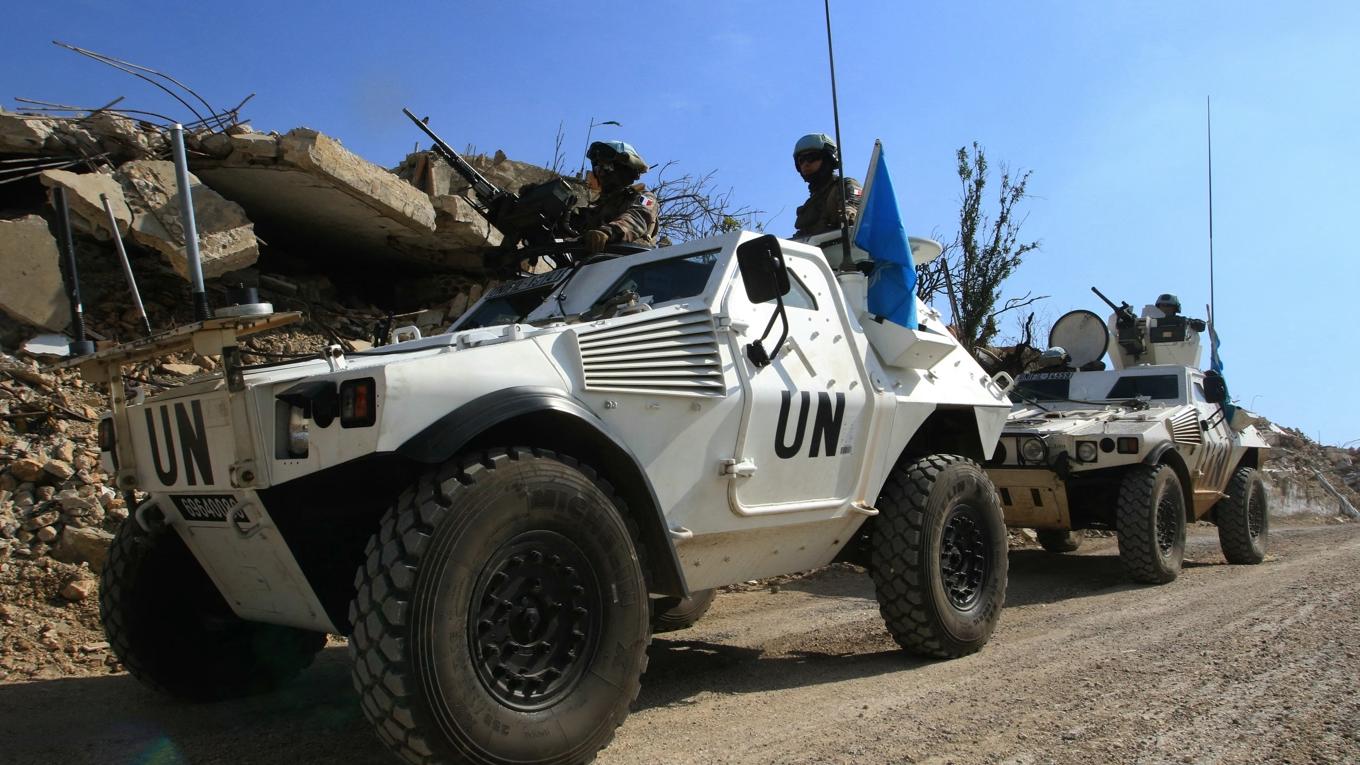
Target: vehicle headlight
1034 451
298 436
1086 451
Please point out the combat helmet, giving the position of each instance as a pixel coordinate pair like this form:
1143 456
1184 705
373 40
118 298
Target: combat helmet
815 142
1168 303
617 155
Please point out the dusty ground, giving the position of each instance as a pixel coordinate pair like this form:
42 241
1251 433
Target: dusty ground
1225 665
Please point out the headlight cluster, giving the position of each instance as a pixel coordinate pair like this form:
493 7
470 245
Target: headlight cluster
297 432
1033 451
1086 451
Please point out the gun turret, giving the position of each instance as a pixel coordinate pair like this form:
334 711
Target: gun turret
1127 332
538 215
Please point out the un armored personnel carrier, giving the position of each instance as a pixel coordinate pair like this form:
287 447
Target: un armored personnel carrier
498 516
1140 449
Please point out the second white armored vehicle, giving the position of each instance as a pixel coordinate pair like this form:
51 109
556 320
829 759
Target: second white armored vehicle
498 515
1141 449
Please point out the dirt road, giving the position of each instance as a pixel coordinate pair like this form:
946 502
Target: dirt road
1226 665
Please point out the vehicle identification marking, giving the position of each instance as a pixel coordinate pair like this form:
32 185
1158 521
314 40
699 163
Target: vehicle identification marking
204 507
193 443
826 427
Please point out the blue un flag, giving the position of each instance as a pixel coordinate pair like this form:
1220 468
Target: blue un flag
892 288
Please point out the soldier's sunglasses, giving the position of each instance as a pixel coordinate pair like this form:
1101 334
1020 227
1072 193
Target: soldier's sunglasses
806 157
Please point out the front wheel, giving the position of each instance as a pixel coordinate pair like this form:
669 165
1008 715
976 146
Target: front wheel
167 623
1150 521
938 557
501 615
1243 518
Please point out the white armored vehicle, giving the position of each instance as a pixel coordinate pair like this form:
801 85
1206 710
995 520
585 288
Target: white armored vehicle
1142 448
498 515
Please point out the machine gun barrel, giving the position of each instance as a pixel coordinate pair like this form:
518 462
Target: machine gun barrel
487 192
1108 301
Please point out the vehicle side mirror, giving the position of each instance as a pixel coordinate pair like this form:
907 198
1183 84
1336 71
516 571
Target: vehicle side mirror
1215 388
763 271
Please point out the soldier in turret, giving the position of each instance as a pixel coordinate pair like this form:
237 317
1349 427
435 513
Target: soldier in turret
815 159
625 211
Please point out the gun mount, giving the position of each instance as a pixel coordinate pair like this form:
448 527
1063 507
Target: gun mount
537 216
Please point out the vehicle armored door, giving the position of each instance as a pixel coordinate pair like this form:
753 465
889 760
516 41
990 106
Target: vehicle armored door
803 414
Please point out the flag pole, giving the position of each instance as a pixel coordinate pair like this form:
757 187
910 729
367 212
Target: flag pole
840 147
1209 128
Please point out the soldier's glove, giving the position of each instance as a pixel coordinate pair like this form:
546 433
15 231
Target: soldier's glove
595 239
1197 324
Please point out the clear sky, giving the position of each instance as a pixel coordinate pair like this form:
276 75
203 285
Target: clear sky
1103 101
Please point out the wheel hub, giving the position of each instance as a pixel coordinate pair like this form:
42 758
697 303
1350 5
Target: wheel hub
1256 513
534 620
1168 511
964 554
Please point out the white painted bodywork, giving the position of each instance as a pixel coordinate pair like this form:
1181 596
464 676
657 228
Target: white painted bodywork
699 416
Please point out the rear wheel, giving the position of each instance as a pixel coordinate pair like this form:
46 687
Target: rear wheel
1059 541
671 614
939 556
1243 518
502 614
167 623
1150 517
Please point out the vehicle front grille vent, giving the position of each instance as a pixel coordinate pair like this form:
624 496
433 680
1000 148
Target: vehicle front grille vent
676 354
1185 428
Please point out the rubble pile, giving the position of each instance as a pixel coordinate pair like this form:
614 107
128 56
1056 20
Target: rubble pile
1300 470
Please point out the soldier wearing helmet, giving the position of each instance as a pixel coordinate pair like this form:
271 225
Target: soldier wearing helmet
815 159
625 211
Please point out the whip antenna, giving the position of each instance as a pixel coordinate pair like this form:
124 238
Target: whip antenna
1209 127
840 147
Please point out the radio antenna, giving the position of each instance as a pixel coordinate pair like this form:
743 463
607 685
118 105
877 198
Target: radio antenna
1209 127
840 147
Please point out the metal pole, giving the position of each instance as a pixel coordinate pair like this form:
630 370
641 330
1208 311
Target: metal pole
846 265
186 204
127 267
1208 124
78 346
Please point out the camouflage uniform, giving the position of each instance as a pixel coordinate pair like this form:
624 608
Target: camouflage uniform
822 211
629 214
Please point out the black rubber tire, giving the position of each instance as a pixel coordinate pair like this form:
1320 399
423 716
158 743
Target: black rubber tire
928 607
1055 541
1150 522
469 527
167 623
1243 518
671 614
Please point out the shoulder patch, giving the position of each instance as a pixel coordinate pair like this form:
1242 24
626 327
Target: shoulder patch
647 201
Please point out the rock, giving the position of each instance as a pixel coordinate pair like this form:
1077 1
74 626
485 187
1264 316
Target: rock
226 236
32 290
64 451
46 518
59 469
78 505
82 198
47 534
83 545
181 370
20 134
79 589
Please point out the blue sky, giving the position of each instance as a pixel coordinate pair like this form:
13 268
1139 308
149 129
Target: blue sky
1103 101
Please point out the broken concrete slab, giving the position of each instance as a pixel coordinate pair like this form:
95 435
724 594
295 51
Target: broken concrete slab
82 199
226 236
32 291
310 189
23 134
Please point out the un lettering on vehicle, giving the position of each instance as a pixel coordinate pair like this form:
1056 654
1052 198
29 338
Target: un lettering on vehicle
184 444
